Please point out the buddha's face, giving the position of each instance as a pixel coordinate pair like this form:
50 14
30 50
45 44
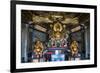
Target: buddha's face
38 42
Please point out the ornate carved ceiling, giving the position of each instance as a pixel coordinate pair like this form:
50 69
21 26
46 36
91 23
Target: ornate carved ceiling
45 17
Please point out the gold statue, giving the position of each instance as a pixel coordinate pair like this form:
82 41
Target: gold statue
57 30
38 48
74 48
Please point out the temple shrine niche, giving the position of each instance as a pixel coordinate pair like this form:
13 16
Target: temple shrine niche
54 36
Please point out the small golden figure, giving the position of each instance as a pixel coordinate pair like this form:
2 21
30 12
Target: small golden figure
38 48
74 48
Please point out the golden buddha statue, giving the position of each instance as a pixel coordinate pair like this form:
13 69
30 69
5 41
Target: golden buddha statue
57 30
38 48
74 48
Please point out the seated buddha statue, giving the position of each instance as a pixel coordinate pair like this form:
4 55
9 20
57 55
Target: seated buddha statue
57 30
